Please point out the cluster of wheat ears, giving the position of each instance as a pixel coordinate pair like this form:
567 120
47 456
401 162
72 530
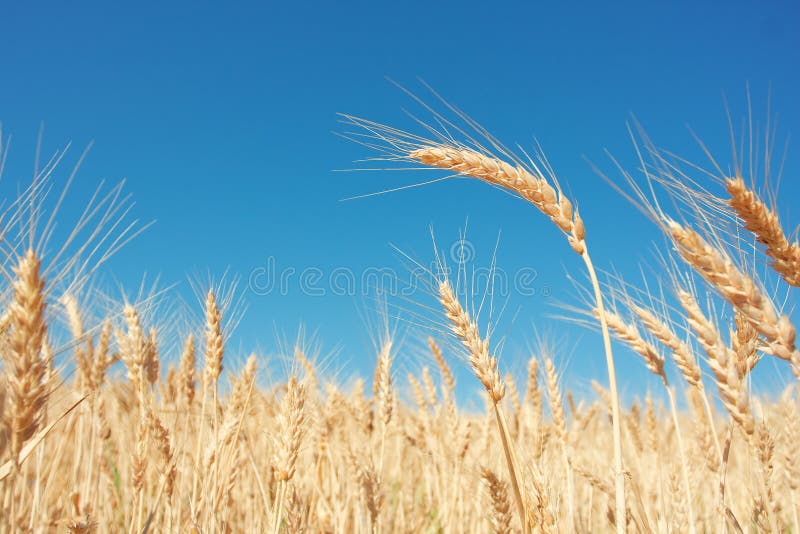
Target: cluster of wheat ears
99 434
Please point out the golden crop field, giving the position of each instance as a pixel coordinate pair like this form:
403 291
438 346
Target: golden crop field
101 433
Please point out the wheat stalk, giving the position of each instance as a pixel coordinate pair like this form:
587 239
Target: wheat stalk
555 205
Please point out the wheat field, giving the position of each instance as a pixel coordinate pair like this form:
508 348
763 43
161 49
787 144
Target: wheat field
101 432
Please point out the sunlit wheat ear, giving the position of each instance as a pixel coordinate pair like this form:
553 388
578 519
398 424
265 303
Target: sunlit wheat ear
554 399
682 353
533 188
235 411
513 394
187 372
290 432
214 342
165 449
482 363
449 383
740 290
152 361
722 361
540 511
744 342
631 335
134 351
25 366
83 354
430 388
383 385
103 358
654 361
417 394
291 428
765 452
764 224
524 179
533 403
369 481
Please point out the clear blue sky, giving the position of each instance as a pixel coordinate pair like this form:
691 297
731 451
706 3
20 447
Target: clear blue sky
220 118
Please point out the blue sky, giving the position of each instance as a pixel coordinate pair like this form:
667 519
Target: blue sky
220 118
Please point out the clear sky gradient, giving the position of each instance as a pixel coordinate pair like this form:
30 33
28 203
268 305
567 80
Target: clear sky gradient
220 117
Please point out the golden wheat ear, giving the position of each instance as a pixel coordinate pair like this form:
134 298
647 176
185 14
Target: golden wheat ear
7 468
764 224
25 364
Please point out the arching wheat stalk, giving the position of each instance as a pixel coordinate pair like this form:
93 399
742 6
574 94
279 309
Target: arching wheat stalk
525 179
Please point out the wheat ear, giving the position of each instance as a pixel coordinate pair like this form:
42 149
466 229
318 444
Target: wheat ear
25 366
214 353
291 428
628 333
501 507
722 361
449 385
186 372
765 225
738 289
560 424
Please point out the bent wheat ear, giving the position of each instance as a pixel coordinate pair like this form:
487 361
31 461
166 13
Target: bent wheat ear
765 225
628 333
722 361
681 352
532 188
529 183
738 289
